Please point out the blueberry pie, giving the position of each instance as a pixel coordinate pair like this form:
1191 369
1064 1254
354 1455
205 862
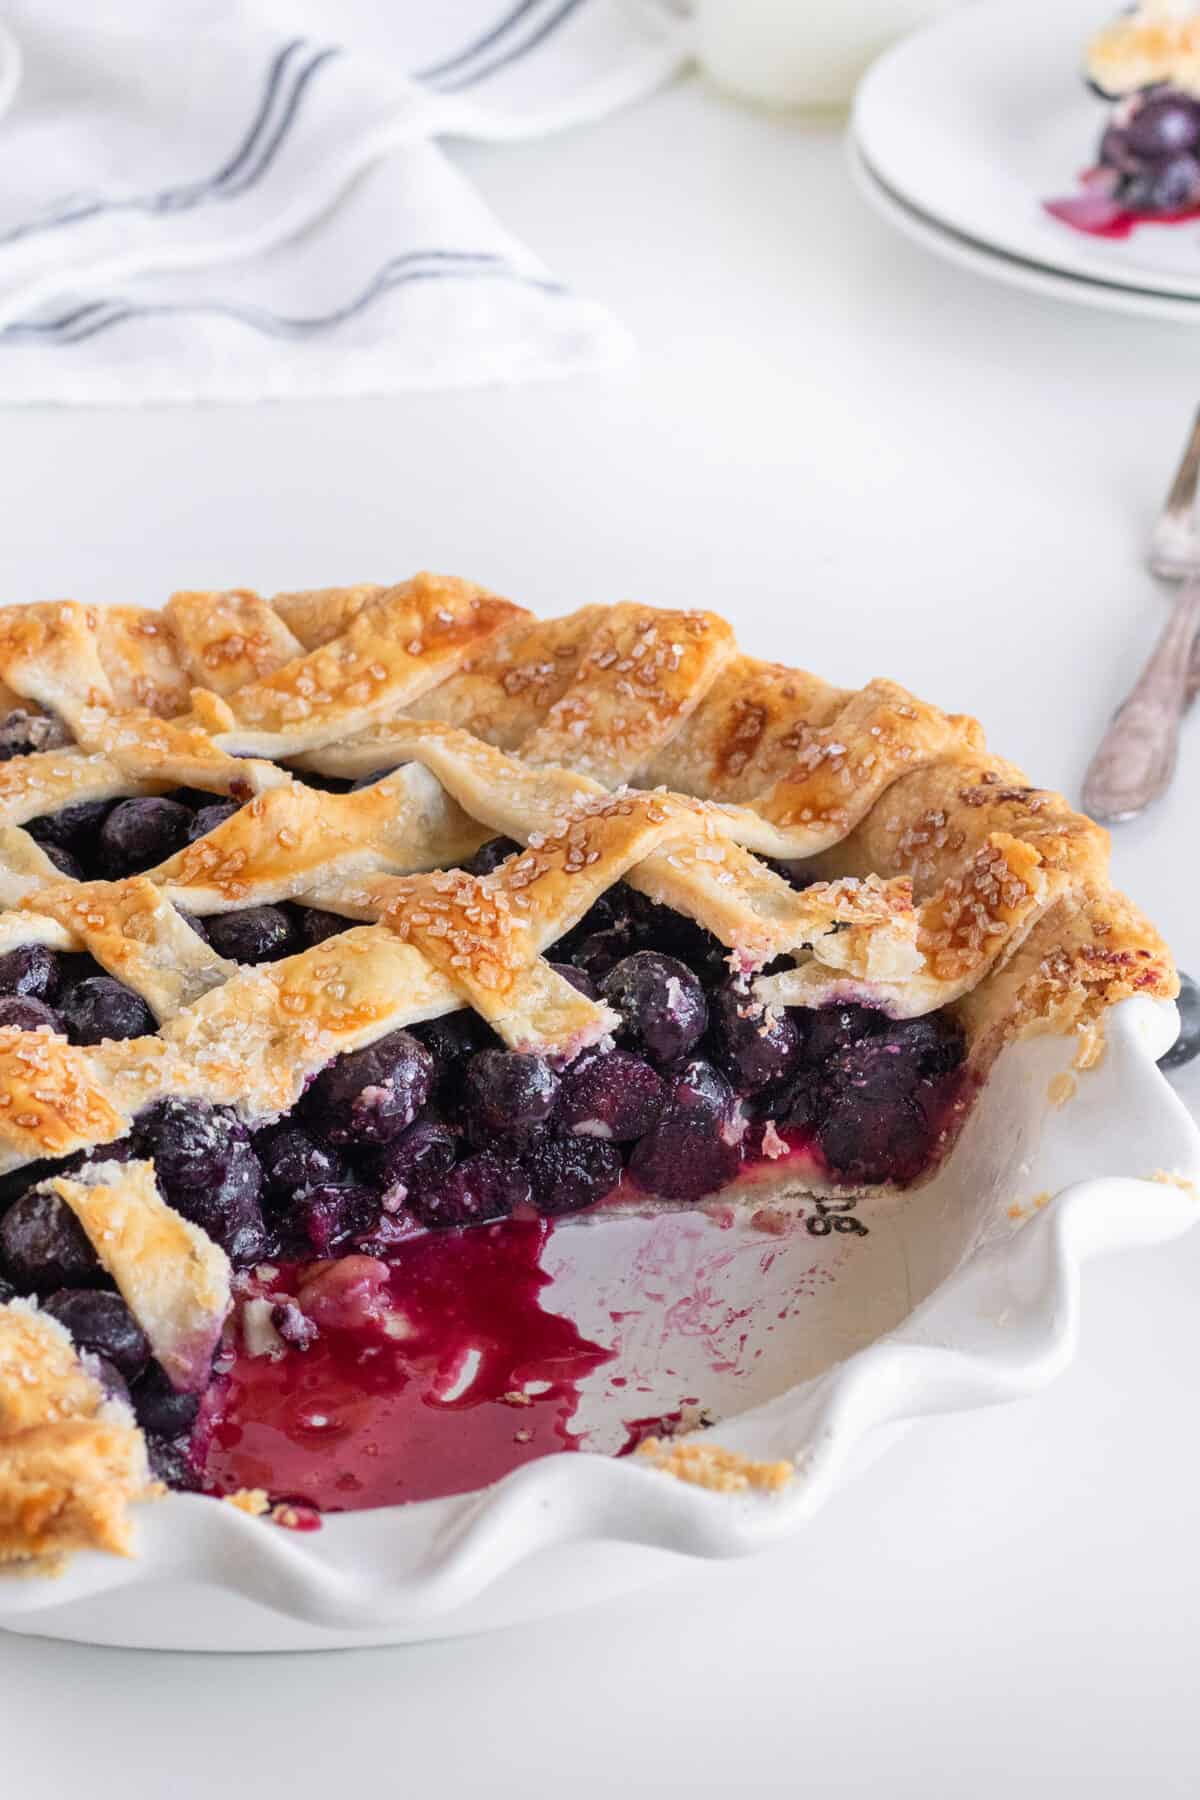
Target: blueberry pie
350 939
1146 67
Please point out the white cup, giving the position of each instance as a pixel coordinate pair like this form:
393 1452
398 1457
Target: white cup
793 53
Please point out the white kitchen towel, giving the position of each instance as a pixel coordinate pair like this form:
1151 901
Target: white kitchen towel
228 199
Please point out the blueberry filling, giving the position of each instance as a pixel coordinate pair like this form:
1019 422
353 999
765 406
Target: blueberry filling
441 1125
1150 153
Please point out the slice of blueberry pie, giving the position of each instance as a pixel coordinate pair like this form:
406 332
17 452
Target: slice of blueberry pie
1146 67
349 939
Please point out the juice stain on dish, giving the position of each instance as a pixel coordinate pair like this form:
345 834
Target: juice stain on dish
1097 215
439 1373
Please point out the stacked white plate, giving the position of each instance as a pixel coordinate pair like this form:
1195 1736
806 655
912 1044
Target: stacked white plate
963 132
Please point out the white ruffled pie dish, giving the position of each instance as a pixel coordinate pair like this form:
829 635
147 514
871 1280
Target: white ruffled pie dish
807 1346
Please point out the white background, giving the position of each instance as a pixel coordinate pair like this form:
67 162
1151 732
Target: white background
873 464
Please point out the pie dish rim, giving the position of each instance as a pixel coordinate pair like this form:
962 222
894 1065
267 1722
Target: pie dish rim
1016 917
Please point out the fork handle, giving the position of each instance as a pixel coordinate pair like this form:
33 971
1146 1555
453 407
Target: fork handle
1136 758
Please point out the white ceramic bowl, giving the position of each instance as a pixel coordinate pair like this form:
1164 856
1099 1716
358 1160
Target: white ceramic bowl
815 1345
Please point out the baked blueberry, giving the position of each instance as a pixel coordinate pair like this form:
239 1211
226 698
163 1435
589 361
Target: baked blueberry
139 833
254 935
578 978
453 1040
896 1060
292 1158
872 1137
120 1150
31 970
699 1091
692 1151
159 1407
43 1246
208 1171
314 925
1167 187
755 1044
1163 125
481 1187
833 1028
673 934
101 1008
113 1384
425 1151
331 1214
661 1004
613 1095
489 856
171 1462
607 932
933 1045
64 862
569 1173
27 1014
25 734
509 1097
370 1096
208 817
72 828
102 1322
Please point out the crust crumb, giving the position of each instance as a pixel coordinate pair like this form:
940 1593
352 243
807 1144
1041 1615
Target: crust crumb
249 1500
1090 1045
296 1516
709 1466
514 1397
1168 1178
773 1145
1062 1089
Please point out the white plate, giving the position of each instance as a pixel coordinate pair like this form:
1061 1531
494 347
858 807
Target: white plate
981 117
818 1345
957 248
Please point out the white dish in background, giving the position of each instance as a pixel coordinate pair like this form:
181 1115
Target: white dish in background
981 117
960 1295
966 253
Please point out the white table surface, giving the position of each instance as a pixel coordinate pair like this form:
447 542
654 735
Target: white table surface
875 465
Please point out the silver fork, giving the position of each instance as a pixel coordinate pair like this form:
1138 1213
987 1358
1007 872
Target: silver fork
1136 758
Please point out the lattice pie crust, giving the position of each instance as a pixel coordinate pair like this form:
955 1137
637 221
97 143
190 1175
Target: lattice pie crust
617 743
